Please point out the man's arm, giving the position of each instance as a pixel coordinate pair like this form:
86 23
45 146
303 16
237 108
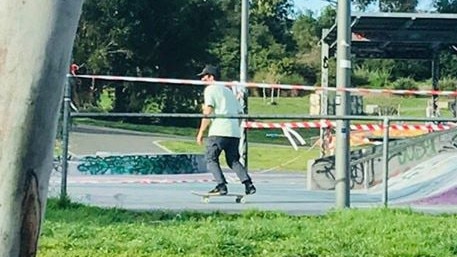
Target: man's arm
207 110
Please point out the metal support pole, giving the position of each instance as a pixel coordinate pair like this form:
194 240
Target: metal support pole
385 163
435 81
342 133
324 93
366 173
243 75
65 136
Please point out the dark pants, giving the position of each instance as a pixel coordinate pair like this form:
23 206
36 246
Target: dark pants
214 147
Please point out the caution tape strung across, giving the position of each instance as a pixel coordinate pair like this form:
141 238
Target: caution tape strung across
357 127
287 127
264 85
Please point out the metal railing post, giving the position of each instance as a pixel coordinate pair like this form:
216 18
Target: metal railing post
366 173
385 157
65 136
244 75
343 80
324 95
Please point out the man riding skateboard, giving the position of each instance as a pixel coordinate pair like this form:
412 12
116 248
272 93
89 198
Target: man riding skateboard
224 134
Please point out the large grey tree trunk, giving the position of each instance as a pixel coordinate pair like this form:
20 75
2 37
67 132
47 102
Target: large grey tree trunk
36 39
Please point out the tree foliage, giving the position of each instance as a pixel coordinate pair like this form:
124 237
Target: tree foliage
164 38
446 6
175 38
383 5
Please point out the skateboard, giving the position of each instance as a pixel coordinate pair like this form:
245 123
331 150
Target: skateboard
239 198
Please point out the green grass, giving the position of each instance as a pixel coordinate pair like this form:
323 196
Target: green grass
254 135
80 231
408 106
284 105
261 158
171 130
106 99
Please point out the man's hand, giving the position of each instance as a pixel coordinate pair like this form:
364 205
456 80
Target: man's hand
200 139
207 110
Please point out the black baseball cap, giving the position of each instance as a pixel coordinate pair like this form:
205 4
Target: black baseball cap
209 70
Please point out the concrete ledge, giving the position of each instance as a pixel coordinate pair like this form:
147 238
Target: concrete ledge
140 164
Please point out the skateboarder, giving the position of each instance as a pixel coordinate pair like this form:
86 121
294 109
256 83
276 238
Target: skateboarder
224 134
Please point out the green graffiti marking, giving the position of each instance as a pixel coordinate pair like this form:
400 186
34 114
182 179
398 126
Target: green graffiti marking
139 164
417 152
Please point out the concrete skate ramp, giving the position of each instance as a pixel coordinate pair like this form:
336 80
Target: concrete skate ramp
367 163
433 182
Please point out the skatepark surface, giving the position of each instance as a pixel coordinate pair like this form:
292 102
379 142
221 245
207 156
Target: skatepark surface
428 187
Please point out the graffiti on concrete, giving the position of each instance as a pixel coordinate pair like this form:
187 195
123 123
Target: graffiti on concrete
403 156
140 164
417 152
451 146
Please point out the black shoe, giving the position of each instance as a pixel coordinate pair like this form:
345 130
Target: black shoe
249 188
220 189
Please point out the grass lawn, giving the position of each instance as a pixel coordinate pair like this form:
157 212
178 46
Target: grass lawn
81 231
284 105
409 106
74 230
260 157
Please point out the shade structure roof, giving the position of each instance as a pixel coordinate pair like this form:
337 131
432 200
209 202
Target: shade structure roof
398 35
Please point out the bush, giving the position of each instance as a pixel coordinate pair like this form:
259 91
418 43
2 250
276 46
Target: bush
293 79
360 77
379 78
363 76
405 84
448 84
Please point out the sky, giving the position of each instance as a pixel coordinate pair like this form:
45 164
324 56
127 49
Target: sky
316 5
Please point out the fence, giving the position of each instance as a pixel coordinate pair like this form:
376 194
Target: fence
319 120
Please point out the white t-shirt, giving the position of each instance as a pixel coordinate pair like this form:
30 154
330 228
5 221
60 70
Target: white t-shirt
223 102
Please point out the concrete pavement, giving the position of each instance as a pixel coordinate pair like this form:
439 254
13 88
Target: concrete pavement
429 187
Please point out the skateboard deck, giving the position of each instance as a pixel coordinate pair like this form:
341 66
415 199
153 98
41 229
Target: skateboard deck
239 198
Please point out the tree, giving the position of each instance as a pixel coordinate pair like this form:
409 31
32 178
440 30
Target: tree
163 38
307 33
34 60
270 38
398 5
446 6
225 46
448 58
276 15
384 5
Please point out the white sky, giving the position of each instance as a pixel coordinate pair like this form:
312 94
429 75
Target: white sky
316 5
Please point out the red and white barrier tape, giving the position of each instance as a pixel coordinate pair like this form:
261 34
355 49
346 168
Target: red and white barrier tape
357 127
264 85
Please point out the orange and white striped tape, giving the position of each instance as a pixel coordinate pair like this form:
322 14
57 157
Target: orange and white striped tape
264 85
357 127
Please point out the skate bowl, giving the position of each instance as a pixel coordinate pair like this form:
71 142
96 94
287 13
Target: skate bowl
367 163
432 182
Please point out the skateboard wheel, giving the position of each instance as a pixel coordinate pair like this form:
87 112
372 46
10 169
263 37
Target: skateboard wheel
238 200
205 199
243 200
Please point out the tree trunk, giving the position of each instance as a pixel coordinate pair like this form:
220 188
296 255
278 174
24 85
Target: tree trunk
36 39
